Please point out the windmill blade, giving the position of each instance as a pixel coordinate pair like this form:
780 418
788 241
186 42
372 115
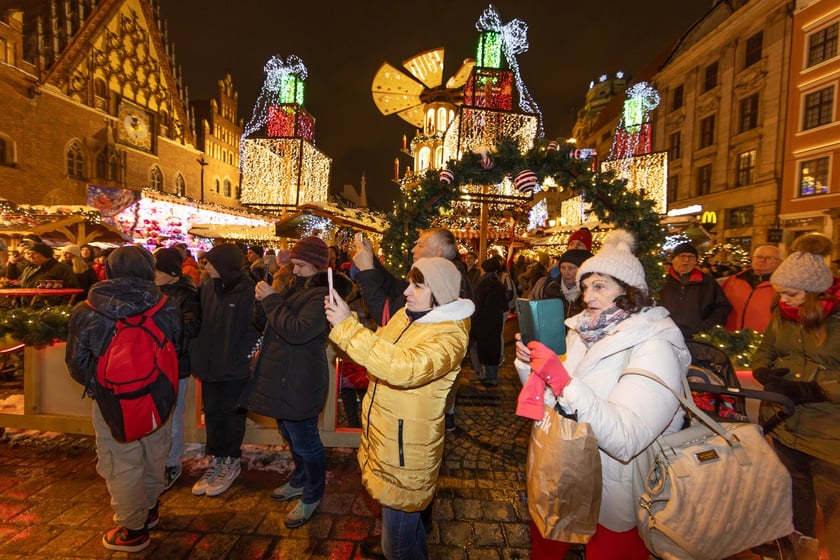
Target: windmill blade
415 116
427 67
394 92
462 75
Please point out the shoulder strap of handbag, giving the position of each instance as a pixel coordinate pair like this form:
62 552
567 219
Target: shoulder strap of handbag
688 404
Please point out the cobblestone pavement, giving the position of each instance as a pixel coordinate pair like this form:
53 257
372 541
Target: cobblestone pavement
54 505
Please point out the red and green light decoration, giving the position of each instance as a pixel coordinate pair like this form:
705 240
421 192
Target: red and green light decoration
427 204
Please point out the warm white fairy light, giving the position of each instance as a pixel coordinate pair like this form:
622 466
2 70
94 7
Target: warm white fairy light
474 128
572 211
283 172
648 173
514 35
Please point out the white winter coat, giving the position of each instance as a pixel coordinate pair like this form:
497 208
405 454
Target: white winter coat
626 415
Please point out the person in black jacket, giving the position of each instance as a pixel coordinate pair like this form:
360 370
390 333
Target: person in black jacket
291 375
221 359
181 291
694 299
487 324
132 470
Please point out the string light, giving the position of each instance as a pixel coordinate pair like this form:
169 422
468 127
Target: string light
473 128
645 173
633 134
538 216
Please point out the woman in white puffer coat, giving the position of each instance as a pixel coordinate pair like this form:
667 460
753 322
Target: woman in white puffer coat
620 331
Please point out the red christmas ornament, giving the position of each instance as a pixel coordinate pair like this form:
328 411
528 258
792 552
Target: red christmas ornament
553 145
486 163
446 177
526 181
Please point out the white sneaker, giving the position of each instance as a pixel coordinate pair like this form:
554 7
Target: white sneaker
228 472
200 487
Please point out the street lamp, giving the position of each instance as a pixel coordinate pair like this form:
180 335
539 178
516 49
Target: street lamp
203 164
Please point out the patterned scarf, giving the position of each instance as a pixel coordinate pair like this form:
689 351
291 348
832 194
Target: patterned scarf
593 329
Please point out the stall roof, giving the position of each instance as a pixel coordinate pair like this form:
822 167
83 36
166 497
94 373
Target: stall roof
300 221
57 225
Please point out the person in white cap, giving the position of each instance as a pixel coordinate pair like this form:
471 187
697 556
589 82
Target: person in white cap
799 356
620 331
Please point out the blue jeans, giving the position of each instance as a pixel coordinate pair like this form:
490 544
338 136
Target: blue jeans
177 447
403 535
308 455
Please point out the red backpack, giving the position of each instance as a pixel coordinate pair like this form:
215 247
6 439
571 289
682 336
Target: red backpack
137 376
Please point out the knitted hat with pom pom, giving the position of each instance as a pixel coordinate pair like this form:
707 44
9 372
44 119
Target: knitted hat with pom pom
616 259
805 268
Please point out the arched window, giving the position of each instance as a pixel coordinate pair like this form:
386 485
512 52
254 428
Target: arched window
439 157
180 185
238 192
107 164
441 119
4 150
75 161
430 121
423 159
227 187
156 179
218 186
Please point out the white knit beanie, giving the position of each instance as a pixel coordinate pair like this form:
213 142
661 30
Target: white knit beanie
616 259
441 276
805 269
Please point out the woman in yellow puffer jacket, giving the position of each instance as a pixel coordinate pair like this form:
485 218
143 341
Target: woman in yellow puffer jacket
412 362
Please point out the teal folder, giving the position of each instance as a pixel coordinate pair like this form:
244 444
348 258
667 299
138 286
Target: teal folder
542 320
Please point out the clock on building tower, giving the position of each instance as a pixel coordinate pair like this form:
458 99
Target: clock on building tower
135 126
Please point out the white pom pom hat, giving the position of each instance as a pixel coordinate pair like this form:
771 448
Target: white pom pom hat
617 259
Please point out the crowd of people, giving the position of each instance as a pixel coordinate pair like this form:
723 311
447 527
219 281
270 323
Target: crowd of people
254 324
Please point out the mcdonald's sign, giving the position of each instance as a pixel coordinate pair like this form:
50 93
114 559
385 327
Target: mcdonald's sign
709 220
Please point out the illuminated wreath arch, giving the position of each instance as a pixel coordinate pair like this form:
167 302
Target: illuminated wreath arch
611 202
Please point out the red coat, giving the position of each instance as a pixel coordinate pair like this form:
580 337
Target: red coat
750 306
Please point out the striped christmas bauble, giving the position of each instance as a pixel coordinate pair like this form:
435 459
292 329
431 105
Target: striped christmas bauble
526 181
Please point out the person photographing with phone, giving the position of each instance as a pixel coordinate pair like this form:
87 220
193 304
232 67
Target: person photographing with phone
290 376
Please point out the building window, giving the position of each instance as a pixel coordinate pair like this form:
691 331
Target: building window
156 179
704 180
710 76
4 150
752 53
75 161
674 144
739 217
746 169
673 187
107 164
707 131
744 242
238 191
677 98
218 186
822 45
227 187
749 113
813 177
818 108
180 185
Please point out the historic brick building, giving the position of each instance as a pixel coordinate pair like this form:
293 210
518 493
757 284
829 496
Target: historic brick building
90 95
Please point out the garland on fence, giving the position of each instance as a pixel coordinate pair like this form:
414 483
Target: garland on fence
610 201
36 327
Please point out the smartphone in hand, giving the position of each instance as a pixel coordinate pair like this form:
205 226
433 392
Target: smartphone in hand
330 283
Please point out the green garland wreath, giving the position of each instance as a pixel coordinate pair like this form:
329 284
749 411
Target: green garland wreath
611 202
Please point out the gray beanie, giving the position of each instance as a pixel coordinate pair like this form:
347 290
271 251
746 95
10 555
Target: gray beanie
616 259
805 269
442 277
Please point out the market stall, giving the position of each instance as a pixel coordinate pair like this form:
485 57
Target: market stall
57 225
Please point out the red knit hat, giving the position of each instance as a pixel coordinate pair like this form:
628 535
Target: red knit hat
584 236
311 250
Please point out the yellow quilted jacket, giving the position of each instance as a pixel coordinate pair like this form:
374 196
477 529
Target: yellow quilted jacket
412 366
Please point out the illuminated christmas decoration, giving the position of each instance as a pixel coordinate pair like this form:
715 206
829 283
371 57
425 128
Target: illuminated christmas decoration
281 167
633 134
483 127
572 211
538 216
647 174
284 172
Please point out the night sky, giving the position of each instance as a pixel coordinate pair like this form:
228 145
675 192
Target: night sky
343 44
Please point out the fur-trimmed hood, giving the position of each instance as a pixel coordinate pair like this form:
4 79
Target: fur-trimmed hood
457 310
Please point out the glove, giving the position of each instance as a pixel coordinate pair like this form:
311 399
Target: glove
798 391
530 402
547 366
763 374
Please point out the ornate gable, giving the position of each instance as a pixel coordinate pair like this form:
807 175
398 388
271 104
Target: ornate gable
119 56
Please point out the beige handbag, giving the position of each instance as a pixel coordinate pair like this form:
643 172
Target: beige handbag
711 490
563 476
